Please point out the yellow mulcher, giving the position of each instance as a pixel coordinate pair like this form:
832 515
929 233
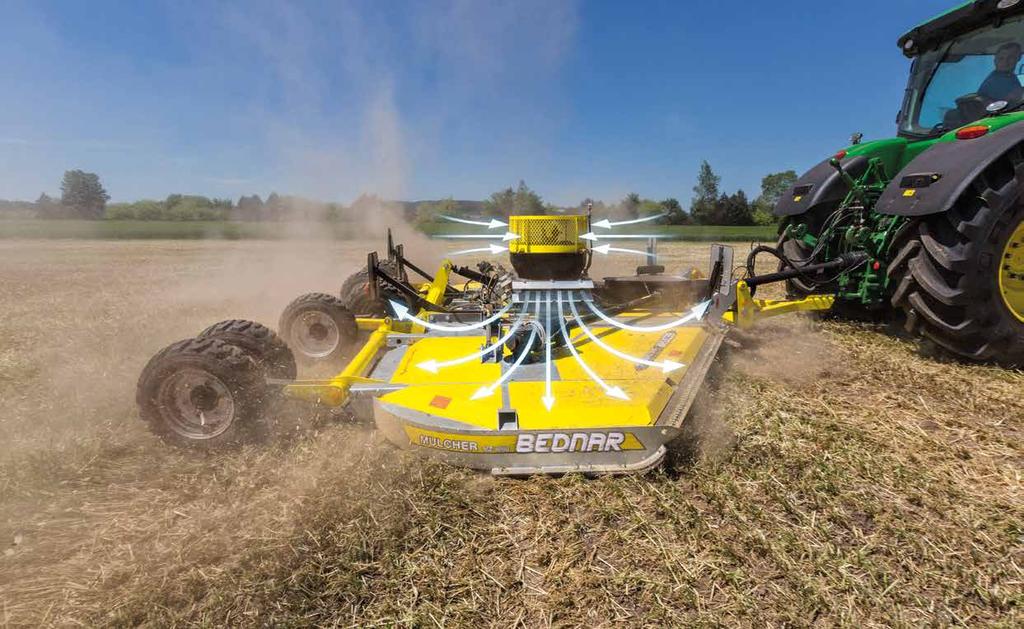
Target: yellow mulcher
536 370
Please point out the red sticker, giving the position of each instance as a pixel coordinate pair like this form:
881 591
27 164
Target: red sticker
440 401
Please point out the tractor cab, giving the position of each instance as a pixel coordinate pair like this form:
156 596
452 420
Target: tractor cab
967 65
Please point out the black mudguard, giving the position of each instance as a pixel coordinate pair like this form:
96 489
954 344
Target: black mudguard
935 179
819 186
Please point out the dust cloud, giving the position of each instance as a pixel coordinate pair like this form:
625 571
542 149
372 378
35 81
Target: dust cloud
83 485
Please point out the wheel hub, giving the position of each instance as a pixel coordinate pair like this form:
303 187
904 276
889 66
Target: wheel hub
1011 273
196 404
316 334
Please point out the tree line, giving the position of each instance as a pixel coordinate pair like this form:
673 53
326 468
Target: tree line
84 197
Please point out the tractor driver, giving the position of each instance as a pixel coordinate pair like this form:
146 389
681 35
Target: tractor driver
1002 83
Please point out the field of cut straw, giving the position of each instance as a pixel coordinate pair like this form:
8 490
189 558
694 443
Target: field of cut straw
832 474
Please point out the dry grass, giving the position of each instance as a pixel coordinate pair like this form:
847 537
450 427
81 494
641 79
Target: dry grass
833 474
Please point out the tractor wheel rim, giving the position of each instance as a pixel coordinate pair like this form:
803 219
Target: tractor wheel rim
1011 273
316 334
196 404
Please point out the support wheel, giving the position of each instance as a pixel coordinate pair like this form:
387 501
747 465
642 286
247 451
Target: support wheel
203 393
355 292
262 343
959 276
318 328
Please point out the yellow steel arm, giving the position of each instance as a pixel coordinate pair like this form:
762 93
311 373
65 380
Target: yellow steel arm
749 311
335 392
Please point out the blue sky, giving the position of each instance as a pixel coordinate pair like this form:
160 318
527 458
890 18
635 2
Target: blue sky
435 99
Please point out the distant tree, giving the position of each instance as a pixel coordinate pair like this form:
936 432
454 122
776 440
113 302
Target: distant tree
501 203
527 202
249 208
47 207
431 212
333 212
773 186
735 209
273 209
120 212
631 205
83 195
521 201
647 207
705 208
674 213
598 208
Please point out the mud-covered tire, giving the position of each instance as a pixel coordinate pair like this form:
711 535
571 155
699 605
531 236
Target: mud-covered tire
203 393
267 348
318 328
355 291
946 271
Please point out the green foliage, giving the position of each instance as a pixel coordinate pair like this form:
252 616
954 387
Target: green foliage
431 212
508 202
647 207
735 209
82 195
773 186
704 209
674 213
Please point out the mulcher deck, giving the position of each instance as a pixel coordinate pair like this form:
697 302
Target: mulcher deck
513 432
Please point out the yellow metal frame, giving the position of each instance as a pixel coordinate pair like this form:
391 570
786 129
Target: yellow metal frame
335 391
748 311
548 234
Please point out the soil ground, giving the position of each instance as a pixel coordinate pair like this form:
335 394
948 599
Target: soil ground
833 474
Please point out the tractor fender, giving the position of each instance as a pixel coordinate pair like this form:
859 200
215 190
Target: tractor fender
933 181
819 186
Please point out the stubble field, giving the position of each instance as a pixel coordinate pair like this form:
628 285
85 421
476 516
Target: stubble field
833 473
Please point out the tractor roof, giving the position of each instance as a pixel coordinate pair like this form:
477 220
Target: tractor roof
956 21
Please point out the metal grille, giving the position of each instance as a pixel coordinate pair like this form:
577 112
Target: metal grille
550 233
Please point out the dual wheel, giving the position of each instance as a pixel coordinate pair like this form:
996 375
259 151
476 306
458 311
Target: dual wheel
216 389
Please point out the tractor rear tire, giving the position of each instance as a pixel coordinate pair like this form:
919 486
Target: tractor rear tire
796 250
203 393
947 272
318 328
355 291
262 343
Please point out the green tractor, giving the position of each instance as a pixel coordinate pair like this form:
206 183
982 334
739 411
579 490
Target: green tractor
929 226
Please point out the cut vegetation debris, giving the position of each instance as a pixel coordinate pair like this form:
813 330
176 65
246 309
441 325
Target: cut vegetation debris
830 474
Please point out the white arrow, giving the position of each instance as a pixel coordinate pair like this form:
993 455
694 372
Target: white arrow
487 391
491 225
696 313
610 391
606 249
666 366
402 312
606 224
591 236
488 249
548 399
507 237
434 366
